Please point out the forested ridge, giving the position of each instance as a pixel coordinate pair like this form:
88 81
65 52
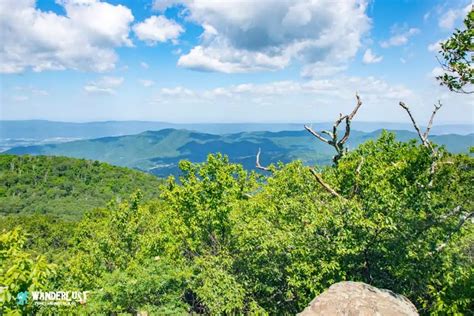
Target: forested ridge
159 152
65 187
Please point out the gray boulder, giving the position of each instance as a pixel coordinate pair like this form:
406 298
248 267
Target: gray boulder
359 299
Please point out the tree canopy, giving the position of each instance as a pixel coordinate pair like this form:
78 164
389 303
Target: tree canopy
65 187
222 240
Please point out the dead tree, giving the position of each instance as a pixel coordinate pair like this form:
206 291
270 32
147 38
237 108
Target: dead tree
423 136
316 175
333 139
257 162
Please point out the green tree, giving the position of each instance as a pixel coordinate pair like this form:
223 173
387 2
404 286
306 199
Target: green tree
458 57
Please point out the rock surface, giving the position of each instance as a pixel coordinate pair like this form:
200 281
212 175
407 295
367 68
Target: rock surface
359 299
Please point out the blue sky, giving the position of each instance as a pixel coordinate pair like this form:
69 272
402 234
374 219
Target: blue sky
225 61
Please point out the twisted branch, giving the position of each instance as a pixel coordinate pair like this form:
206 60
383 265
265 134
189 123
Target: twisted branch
333 140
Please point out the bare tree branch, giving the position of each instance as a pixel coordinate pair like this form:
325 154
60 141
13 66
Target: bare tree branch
424 136
354 112
309 129
333 138
355 189
324 184
423 140
257 162
462 221
359 167
430 123
454 211
349 120
328 133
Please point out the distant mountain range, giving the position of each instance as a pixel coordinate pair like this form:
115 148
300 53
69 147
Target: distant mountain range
40 129
159 152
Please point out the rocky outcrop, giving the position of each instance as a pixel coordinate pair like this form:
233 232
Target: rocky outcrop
359 299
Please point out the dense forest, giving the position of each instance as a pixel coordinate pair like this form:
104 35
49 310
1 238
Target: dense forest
221 240
65 187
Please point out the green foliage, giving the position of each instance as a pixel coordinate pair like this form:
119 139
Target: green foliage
222 240
19 272
65 187
458 55
154 286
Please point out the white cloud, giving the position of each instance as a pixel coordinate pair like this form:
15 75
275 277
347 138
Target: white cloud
177 92
39 92
289 101
105 85
448 19
147 83
20 98
157 29
144 65
306 101
161 5
335 87
399 39
25 93
435 47
371 58
245 36
322 69
84 38
435 72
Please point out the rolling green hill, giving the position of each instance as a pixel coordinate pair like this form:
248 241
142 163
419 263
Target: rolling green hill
65 187
159 152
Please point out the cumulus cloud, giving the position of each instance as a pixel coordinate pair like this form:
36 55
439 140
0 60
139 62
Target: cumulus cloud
84 38
144 65
105 85
399 38
147 83
448 19
157 29
289 100
245 36
335 87
371 58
